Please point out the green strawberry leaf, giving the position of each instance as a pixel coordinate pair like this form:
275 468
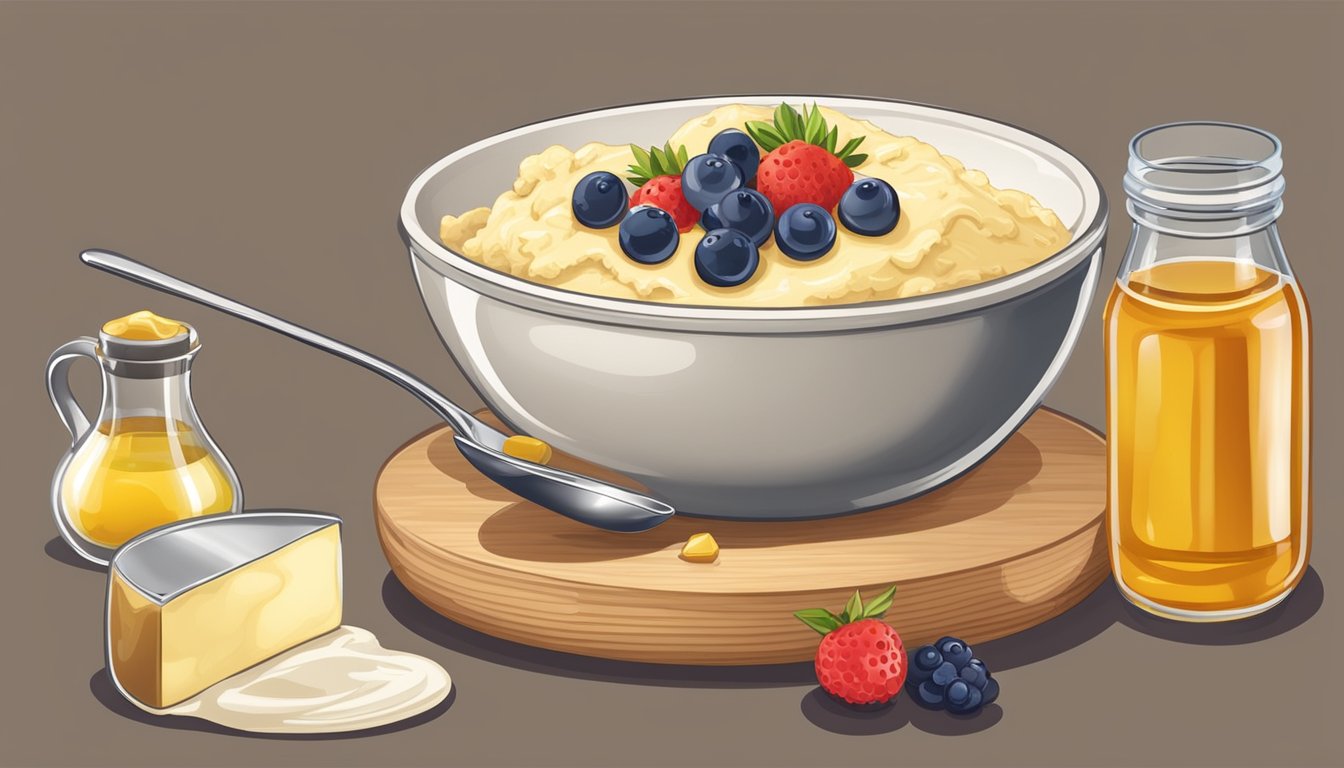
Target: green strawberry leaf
683 156
639 172
654 162
641 155
853 609
815 129
849 147
831 138
853 161
879 605
786 121
819 619
764 135
810 126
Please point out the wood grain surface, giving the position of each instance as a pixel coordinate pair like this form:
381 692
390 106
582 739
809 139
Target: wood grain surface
1014 542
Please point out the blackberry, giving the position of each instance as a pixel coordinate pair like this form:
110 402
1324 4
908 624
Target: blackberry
946 675
975 673
962 698
928 695
990 691
955 651
922 665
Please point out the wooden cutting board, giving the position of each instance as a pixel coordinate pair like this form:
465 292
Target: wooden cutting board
1012 543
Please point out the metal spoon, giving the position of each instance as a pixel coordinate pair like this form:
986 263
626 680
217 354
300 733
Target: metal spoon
578 497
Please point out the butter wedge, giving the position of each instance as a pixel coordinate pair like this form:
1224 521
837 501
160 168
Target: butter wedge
194 603
700 548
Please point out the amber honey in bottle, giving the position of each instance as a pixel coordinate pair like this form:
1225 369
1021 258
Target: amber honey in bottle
1208 381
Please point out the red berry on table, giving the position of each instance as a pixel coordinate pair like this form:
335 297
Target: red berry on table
802 164
657 173
861 659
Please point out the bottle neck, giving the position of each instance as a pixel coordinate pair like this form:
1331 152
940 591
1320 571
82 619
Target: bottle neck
137 404
1204 179
1149 246
1204 191
1222 226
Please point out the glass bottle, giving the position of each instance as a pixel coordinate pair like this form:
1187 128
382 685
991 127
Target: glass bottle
146 460
1208 375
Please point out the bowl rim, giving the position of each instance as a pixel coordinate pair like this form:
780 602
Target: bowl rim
563 302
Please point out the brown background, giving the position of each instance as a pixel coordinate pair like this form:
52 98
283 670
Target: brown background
262 149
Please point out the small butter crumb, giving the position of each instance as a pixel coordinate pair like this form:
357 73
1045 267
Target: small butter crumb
700 548
528 449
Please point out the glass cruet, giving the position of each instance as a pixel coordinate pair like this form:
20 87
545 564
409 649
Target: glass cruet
1208 380
146 460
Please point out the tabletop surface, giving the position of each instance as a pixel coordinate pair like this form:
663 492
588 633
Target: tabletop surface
262 149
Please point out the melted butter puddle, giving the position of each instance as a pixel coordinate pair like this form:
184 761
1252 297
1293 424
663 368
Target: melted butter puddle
342 681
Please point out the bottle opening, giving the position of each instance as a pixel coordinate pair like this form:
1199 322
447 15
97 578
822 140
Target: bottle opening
1205 170
1206 147
144 337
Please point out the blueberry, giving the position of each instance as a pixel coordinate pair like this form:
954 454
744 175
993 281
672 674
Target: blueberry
726 257
600 200
869 207
944 674
955 651
805 232
707 178
929 696
962 699
991 691
747 211
738 147
709 218
649 235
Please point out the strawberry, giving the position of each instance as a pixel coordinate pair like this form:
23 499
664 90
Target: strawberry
657 173
861 658
801 164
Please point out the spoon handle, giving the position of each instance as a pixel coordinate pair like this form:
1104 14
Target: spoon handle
462 422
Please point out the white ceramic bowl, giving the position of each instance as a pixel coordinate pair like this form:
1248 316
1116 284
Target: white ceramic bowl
764 413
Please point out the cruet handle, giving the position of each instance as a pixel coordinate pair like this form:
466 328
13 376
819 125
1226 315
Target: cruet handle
58 383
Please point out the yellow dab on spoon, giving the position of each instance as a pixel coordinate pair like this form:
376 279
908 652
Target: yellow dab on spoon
528 449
